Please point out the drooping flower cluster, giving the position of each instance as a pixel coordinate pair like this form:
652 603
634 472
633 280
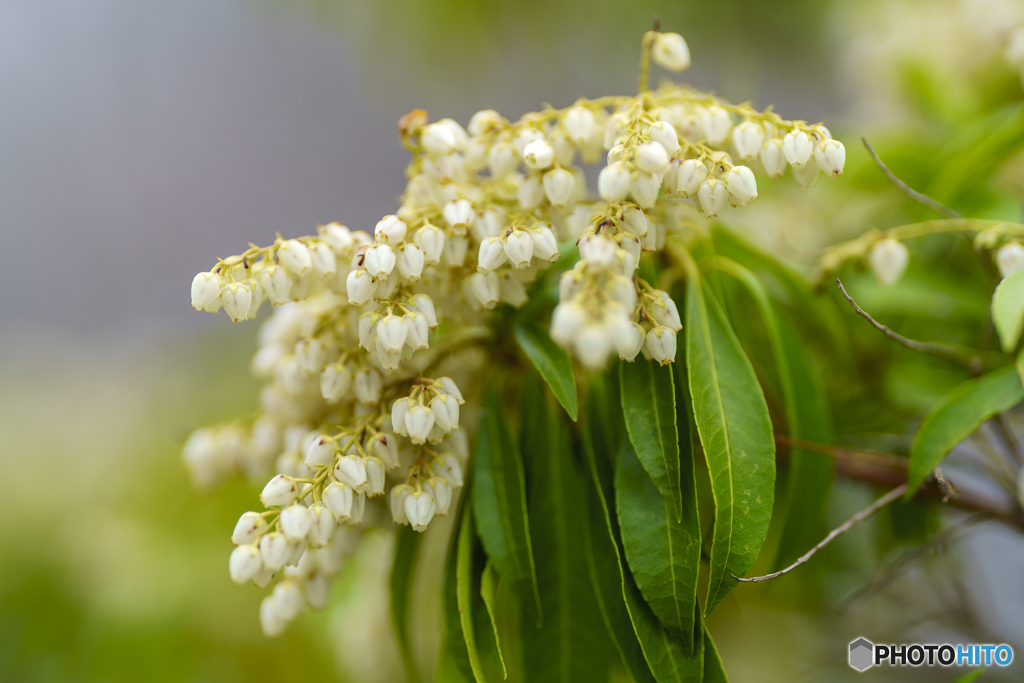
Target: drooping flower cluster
374 338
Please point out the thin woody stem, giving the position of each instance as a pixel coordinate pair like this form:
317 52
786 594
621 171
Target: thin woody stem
907 190
645 57
835 533
933 348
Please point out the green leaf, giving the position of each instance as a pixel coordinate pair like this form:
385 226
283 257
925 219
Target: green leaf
466 578
551 361
488 593
736 433
1008 310
572 645
499 503
1020 365
663 554
630 619
957 416
454 662
714 672
807 418
649 406
406 551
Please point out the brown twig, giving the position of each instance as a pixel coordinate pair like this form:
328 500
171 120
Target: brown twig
936 349
835 533
907 190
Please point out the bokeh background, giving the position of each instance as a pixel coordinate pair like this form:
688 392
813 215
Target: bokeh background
140 140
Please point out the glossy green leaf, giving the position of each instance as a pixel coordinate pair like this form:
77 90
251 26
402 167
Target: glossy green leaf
406 552
551 361
631 621
1008 310
649 407
572 645
714 671
466 578
736 433
488 593
807 417
499 503
454 662
957 416
663 553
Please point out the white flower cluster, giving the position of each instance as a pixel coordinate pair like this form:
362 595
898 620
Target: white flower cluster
352 426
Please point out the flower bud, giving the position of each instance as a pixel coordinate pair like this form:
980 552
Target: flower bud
206 292
645 188
458 133
593 345
713 195
438 139
484 121
236 299
447 467
244 562
524 137
773 158
831 157
446 412
1010 259
502 160
419 421
396 499
671 52
558 186
661 344
321 527
519 248
485 288
459 214
409 261
322 259
538 154
248 528
441 491
888 260
492 254
797 147
367 386
337 237
716 122
419 510
374 476
449 387
665 135
280 490
430 240
295 522
276 284
335 382
665 312
742 185
531 192
629 338
351 470
294 257
391 332
692 173
320 452
385 447
359 286
580 124
274 550
379 261
635 221
338 499
566 321
399 409
747 138
423 304
545 246
613 182
652 157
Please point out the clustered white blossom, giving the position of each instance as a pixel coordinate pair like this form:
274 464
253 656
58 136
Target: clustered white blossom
356 408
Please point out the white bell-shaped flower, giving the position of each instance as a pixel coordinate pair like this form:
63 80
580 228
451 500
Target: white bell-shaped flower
831 157
742 185
321 528
391 332
1010 259
806 175
664 311
531 192
492 254
773 158
523 139
351 470
419 509
447 466
248 528
367 386
593 344
418 422
359 286
396 501
485 287
518 248
374 476
274 550
714 197
390 230
747 138
664 133
692 174
206 289
385 447
423 304
502 160
236 298
244 562
888 260
671 52
335 381
449 387
645 188
399 409
295 522
418 331
294 257
337 236
379 261
438 139
322 257
566 321
661 344
409 261
276 284
280 490
459 214
445 410
559 185
580 124
597 250
797 147
441 492
538 154
716 123
338 499
613 181
310 356
545 246
430 239
652 157
629 338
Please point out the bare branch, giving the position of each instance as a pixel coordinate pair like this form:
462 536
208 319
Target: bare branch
936 349
913 194
835 533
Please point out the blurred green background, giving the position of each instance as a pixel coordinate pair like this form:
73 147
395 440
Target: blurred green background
138 141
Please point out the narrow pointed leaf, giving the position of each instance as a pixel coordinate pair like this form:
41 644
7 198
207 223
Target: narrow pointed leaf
551 361
663 652
406 552
572 645
1008 310
454 663
714 672
736 433
499 503
649 406
488 593
958 415
473 617
663 553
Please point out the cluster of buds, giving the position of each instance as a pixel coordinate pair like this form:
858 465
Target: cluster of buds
349 427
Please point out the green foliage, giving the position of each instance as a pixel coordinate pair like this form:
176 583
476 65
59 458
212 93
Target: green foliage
1008 310
406 552
551 361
